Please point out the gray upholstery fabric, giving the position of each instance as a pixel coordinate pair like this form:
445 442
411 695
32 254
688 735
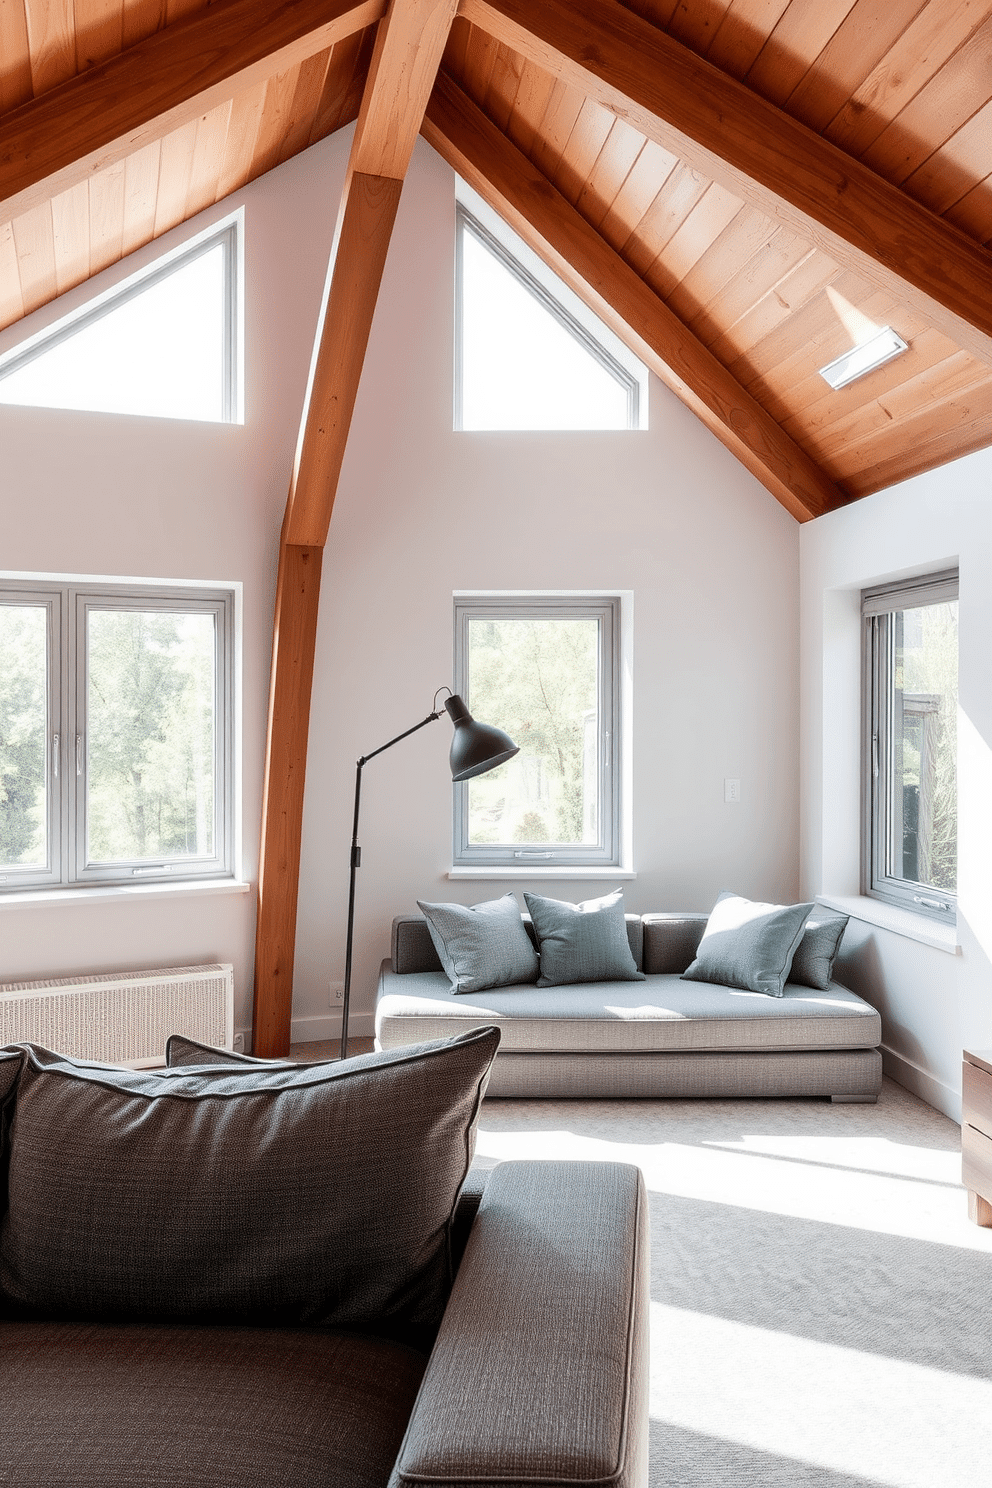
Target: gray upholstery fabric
412 948
842 1074
582 942
144 1406
481 945
671 941
659 1013
152 1211
181 1051
584 1422
748 944
813 963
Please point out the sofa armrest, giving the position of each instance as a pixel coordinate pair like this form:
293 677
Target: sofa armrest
539 1375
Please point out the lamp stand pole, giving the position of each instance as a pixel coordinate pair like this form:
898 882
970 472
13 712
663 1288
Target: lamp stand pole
356 862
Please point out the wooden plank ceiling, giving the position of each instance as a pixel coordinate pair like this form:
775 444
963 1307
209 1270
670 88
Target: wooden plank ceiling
737 275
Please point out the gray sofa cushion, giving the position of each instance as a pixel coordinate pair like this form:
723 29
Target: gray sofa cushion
319 1194
660 1013
481 945
749 945
174 1406
813 963
583 1423
582 942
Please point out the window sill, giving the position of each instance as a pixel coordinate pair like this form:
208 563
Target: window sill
899 921
24 897
542 873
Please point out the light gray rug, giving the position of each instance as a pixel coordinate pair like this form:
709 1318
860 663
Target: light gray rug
821 1305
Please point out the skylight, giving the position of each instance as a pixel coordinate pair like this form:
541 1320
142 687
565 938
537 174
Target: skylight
525 362
163 344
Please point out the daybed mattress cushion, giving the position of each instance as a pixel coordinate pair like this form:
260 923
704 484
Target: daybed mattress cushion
662 1013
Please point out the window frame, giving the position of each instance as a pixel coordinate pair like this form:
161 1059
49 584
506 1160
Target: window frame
608 609
467 221
226 235
70 602
878 605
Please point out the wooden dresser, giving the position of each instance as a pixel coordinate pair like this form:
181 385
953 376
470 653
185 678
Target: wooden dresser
976 1133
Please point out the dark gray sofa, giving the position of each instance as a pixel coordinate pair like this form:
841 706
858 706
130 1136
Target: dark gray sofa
535 1371
657 1037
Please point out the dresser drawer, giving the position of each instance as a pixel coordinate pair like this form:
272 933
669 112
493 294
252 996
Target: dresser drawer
976 1097
976 1161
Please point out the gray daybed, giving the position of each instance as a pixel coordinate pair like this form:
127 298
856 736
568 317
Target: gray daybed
657 1037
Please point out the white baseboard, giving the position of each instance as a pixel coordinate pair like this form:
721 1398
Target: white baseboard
328 1026
315 1029
922 1083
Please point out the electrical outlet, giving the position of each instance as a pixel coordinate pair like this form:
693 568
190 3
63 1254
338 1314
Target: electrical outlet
336 993
732 790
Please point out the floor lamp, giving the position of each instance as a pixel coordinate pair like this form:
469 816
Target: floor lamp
475 748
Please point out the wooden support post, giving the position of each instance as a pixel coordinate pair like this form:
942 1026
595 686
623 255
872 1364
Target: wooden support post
407 55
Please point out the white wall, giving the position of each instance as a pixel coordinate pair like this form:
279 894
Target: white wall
711 558
933 1003
85 493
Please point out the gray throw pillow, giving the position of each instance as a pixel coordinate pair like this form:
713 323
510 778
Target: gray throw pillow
481 945
582 942
749 945
321 1194
813 963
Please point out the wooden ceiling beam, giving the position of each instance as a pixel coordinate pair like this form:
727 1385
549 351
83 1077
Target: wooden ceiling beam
408 51
108 112
720 127
504 177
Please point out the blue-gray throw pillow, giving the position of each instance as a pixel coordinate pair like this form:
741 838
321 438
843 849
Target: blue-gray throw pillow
582 942
482 945
813 963
749 945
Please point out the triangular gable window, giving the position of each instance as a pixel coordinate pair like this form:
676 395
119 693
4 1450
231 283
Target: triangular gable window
524 361
163 344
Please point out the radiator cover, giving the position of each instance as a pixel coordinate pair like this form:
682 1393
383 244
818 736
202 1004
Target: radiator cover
121 1017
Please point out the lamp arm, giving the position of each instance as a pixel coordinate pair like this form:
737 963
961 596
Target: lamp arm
356 860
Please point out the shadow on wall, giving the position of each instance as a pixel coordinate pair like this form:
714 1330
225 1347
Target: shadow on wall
861 967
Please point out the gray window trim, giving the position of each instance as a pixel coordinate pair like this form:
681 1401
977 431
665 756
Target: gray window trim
609 850
878 605
63 330
466 222
69 603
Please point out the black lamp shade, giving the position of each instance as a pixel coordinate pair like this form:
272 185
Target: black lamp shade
476 747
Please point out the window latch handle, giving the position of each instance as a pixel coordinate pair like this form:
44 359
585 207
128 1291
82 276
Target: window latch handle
56 741
533 855
79 754
874 756
930 903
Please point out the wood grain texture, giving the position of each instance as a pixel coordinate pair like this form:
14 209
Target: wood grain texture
757 151
407 55
163 82
362 240
293 649
459 131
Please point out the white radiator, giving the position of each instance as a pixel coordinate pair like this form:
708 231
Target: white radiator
121 1017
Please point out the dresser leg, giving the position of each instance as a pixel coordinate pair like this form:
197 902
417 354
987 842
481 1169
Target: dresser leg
979 1209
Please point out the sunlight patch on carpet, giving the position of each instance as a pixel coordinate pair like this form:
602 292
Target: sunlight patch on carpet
837 1409
802 1182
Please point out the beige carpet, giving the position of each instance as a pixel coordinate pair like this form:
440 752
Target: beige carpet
821 1305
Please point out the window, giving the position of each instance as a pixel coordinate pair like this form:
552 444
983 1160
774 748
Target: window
525 359
911 666
163 344
116 733
546 668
